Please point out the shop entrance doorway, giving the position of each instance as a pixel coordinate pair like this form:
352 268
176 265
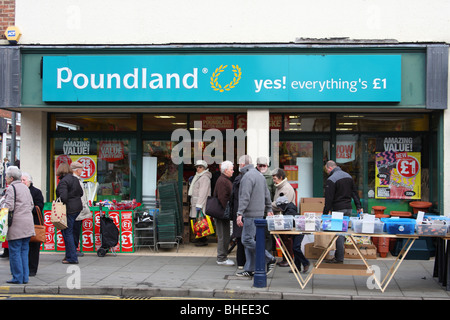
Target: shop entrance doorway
303 162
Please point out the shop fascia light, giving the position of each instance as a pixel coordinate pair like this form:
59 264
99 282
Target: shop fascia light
165 117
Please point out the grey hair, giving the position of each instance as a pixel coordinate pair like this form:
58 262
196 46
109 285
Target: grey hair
226 165
245 159
26 174
14 172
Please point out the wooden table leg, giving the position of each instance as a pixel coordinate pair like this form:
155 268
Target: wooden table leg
401 256
302 282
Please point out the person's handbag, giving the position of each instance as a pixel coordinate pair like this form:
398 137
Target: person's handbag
58 217
227 211
214 208
84 214
3 224
202 226
11 212
39 229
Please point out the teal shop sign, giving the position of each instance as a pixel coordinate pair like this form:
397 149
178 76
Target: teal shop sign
259 78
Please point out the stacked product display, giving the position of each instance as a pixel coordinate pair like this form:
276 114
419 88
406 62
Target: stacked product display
365 224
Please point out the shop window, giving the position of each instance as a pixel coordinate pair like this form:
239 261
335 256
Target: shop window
296 159
215 121
157 165
389 169
292 122
350 158
380 123
164 122
94 122
306 123
109 165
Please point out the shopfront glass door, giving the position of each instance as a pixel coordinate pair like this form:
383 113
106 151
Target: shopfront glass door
303 163
157 167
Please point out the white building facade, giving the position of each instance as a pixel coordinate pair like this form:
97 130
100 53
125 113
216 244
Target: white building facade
384 89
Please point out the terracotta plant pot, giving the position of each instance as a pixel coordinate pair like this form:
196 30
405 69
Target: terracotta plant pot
401 214
420 206
378 209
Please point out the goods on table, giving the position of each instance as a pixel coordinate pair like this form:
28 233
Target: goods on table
361 226
332 224
399 225
432 227
280 222
307 222
122 205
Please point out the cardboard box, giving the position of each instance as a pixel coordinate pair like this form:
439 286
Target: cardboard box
312 205
314 253
369 251
322 241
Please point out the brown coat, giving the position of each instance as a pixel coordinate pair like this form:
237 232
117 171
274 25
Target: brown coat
222 190
23 225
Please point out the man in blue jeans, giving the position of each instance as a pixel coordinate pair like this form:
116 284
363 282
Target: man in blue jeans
254 200
340 189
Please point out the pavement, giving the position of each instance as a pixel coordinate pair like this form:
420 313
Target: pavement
172 274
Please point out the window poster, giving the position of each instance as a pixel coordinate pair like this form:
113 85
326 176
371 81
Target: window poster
345 151
398 175
89 163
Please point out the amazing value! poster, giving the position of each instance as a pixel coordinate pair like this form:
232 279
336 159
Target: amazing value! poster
398 175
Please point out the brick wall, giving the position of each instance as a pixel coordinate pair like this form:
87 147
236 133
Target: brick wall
7 16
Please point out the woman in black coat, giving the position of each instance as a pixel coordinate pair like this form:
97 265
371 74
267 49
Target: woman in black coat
237 231
70 192
38 200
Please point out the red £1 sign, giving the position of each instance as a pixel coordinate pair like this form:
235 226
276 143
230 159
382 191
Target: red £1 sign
408 166
88 167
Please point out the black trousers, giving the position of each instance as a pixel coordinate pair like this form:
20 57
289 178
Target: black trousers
33 257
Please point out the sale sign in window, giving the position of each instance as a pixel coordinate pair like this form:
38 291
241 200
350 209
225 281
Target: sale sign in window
397 175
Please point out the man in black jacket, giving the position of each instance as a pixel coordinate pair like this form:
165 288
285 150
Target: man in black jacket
340 189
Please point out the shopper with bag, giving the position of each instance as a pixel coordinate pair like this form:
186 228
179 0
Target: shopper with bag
38 201
85 213
199 190
21 227
70 192
222 191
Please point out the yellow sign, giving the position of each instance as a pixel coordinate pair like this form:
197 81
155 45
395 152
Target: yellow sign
398 175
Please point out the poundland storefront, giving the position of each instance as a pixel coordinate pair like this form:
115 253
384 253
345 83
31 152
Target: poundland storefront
127 111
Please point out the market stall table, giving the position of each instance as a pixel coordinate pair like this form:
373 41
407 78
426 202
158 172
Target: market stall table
345 269
442 262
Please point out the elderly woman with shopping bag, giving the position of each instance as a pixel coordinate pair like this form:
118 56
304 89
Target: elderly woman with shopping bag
199 190
18 198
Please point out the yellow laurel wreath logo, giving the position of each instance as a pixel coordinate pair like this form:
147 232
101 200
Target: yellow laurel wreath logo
217 86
